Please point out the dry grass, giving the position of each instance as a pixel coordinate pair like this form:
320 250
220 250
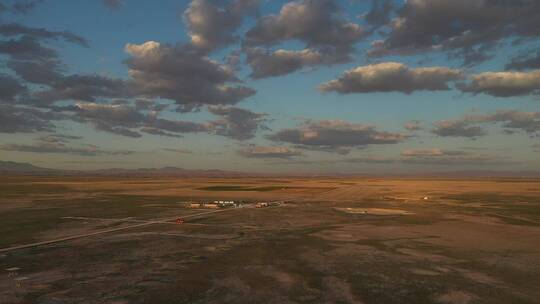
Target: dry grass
472 241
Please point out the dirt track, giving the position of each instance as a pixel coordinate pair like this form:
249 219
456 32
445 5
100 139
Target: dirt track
73 237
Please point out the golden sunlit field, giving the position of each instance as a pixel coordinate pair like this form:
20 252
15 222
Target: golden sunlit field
329 240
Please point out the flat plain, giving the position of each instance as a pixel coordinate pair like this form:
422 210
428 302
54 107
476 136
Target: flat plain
331 240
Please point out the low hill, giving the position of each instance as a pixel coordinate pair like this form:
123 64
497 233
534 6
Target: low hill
16 167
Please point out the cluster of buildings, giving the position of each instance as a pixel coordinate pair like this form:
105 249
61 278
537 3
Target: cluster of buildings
216 204
269 204
229 204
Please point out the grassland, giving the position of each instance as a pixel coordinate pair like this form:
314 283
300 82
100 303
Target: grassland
471 241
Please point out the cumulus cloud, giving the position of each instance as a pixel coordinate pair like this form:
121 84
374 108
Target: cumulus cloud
212 24
126 120
123 107
236 123
457 128
179 151
413 125
32 59
81 87
25 48
117 119
57 138
15 29
177 126
268 152
524 121
16 119
380 12
392 77
335 136
369 160
525 62
182 74
438 156
37 71
20 6
30 55
43 147
435 152
9 88
472 125
266 63
122 118
429 157
317 23
471 28
150 105
159 132
504 84
26 120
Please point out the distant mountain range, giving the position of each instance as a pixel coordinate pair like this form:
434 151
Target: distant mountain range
16 168
8 167
166 171
483 173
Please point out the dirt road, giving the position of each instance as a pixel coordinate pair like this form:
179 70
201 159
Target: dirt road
73 237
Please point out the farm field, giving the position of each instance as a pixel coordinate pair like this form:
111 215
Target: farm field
330 240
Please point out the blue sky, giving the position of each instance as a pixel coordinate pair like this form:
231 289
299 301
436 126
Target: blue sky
461 114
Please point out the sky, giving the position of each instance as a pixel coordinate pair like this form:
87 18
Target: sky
306 86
